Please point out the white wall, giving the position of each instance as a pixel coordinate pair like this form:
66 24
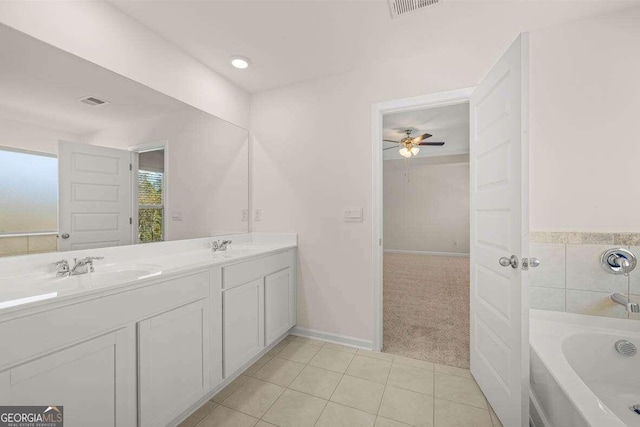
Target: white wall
98 32
27 136
585 143
208 175
426 204
312 152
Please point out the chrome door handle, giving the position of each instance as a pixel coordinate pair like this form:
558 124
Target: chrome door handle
506 262
65 235
534 262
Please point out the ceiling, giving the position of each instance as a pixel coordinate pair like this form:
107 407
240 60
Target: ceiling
449 124
295 41
47 96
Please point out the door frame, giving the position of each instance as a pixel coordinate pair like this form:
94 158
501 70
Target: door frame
141 148
439 99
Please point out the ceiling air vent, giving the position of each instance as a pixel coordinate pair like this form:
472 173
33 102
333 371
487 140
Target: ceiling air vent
93 101
402 7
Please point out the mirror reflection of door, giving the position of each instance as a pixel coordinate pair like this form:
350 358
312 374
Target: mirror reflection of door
94 196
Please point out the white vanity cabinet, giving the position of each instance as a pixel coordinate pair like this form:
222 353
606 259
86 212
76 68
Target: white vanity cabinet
279 296
173 362
258 306
89 379
147 353
243 319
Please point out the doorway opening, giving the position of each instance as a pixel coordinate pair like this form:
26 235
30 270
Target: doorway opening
421 218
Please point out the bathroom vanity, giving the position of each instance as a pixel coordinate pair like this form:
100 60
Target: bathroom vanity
142 342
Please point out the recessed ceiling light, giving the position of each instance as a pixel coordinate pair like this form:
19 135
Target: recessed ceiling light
240 62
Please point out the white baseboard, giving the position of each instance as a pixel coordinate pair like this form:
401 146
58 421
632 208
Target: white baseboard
333 338
402 251
537 417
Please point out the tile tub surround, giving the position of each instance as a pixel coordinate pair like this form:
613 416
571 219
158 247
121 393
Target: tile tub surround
11 245
372 389
570 277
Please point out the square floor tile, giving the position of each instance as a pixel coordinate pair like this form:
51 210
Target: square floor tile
198 415
407 406
401 360
254 397
369 369
299 352
358 393
340 347
332 360
452 370
262 423
410 378
251 370
335 415
458 389
278 348
451 414
279 371
225 417
386 422
230 388
316 381
309 341
295 409
375 354
494 418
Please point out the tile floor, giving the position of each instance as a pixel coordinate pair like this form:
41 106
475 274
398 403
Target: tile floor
303 382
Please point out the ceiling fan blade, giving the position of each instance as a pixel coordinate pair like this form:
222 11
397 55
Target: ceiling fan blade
388 140
421 137
432 143
389 148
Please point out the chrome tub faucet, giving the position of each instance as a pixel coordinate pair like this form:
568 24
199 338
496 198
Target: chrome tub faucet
624 301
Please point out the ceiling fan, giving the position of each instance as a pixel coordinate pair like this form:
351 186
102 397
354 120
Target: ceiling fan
410 146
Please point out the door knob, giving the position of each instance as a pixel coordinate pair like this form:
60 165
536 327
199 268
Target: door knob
506 262
534 262
65 235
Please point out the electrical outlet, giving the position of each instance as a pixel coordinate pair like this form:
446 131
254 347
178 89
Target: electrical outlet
257 216
245 215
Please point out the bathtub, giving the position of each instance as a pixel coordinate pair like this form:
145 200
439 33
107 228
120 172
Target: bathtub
577 377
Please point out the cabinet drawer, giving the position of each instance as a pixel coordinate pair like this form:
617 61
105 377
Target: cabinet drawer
244 272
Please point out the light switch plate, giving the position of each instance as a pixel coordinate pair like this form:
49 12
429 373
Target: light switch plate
257 216
353 215
245 215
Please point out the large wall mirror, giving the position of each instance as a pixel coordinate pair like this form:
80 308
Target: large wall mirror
89 158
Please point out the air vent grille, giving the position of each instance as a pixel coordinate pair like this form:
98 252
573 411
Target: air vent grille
401 7
93 101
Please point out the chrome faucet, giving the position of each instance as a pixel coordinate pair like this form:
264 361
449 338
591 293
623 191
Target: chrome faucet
218 245
80 266
624 300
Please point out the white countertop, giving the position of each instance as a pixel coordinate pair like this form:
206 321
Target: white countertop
30 280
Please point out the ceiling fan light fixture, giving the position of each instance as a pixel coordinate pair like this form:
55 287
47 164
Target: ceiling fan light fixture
240 62
404 152
415 150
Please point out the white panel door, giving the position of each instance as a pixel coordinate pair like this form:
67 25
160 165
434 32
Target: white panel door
94 381
94 196
278 292
243 324
499 228
173 362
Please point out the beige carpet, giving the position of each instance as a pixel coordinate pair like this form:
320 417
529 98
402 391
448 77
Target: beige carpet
426 308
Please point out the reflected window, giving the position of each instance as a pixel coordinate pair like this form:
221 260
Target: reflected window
28 192
151 184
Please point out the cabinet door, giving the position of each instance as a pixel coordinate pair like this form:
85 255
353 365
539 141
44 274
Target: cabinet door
278 296
173 362
243 324
94 381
